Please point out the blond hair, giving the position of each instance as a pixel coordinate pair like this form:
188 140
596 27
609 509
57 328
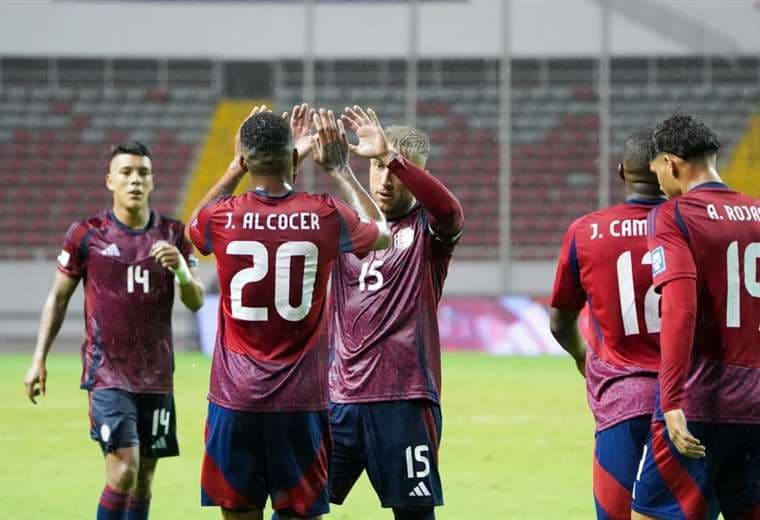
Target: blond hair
409 142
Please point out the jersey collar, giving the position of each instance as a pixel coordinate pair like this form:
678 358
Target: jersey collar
121 225
712 185
263 193
645 202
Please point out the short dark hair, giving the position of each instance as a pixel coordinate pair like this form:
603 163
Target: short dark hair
266 133
636 151
684 135
131 148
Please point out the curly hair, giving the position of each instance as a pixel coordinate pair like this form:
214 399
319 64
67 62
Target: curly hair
684 135
131 148
266 133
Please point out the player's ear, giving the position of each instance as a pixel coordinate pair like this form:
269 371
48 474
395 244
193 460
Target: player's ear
620 171
109 181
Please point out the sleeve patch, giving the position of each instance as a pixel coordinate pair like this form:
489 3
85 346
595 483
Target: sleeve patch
658 261
64 258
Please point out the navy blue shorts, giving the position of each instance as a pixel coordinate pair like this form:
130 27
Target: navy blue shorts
616 460
396 442
254 455
671 486
121 419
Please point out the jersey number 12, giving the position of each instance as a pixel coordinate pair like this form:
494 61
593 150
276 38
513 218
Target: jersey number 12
626 290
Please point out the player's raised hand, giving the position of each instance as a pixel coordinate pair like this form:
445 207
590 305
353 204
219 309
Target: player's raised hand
300 124
330 142
35 380
373 142
679 434
166 254
236 152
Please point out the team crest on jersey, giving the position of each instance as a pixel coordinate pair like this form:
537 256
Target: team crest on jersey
403 238
64 257
658 261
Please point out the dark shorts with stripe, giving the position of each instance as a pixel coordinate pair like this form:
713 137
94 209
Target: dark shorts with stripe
617 454
121 419
727 480
254 455
396 442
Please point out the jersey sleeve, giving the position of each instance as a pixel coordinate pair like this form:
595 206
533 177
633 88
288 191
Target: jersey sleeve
568 292
186 248
200 229
356 234
668 245
72 261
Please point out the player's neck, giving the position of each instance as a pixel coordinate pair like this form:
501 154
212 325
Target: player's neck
135 219
642 191
393 215
274 186
701 176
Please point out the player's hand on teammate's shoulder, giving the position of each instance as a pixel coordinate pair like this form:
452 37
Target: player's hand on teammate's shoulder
330 144
679 434
373 143
35 380
166 254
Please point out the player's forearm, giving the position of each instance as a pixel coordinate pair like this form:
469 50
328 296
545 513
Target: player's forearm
444 208
224 187
53 314
679 311
564 328
191 294
356 196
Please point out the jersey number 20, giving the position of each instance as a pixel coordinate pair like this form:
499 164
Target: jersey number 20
260 269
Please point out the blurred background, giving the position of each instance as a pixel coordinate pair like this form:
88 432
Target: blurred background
527 104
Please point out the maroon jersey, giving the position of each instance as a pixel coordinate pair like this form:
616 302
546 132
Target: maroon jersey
385 326
712 234
128 299
605 262
274 256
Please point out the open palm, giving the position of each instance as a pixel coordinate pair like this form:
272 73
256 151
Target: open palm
369 130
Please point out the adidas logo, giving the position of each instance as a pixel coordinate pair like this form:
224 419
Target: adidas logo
420 490
160 444
111 250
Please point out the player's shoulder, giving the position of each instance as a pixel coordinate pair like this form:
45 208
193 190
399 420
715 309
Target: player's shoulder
169 223
89 224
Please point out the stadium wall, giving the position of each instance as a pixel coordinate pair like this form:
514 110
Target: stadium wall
252 30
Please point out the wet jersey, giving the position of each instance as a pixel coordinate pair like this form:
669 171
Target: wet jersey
128 299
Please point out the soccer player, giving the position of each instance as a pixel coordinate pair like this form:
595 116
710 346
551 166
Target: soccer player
605 264
129 259
385 377
267 430
705 245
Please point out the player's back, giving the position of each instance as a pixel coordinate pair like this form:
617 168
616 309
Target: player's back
605 263
274 256
722 230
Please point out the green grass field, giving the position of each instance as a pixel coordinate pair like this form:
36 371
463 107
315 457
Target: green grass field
517 444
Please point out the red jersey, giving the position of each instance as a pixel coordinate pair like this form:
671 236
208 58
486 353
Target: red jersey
712 234
605 262
385 323
274 256
128 299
